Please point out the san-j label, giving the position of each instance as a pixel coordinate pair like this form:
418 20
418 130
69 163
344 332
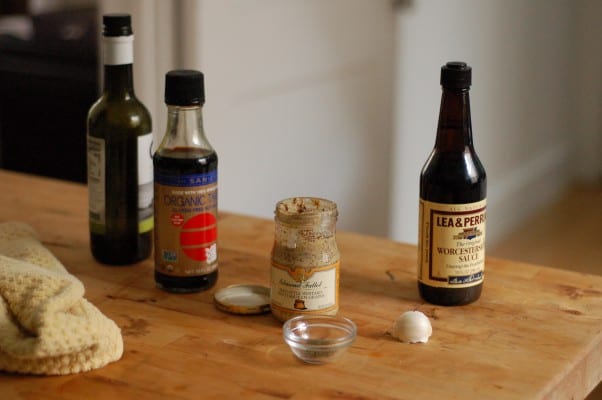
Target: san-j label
186 230
451 249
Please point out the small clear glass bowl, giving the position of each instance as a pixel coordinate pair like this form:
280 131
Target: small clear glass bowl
319 339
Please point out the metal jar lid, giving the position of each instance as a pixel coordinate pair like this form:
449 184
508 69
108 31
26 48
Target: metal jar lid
243 299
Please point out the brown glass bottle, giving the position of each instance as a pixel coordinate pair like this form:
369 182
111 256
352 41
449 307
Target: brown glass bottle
453 189
185 172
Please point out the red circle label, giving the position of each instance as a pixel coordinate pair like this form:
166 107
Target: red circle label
197 235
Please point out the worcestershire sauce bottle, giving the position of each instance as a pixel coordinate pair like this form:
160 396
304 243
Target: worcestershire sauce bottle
185 168
120 169
453 188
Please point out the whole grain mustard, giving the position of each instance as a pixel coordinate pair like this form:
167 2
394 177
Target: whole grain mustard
305 258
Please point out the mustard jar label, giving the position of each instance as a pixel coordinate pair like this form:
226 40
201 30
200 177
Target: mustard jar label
302 289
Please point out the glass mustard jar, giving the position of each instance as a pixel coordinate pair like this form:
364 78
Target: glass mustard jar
305 258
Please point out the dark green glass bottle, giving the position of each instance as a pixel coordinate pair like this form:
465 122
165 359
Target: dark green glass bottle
120 174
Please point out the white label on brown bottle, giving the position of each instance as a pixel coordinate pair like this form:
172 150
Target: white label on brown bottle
451 249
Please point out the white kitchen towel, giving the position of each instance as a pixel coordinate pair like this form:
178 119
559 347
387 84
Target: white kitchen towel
46 325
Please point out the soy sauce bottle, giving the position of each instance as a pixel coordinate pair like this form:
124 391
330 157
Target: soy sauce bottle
185 172
453 189
120 169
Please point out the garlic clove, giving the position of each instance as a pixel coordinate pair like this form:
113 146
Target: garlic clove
412 327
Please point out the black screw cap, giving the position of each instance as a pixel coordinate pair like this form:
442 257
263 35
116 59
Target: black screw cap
184 87
456 74
117 25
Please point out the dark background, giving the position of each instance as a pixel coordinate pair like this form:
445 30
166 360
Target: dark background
48 81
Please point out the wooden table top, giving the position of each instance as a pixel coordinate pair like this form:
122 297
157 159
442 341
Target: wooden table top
535 333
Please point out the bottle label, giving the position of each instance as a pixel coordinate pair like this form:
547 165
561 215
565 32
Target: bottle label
451 249
145 183
97 184
305 290
118 50
186 224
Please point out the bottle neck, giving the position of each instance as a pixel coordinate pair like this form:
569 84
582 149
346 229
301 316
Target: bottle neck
185 128
454 131
118 58
119 80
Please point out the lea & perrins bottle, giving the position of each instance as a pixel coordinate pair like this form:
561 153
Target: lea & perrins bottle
120 170
453 189
185 170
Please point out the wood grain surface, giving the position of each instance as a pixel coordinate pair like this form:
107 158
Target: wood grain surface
536 332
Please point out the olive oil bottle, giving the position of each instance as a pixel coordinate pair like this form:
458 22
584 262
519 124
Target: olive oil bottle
120 170
185 170
453 190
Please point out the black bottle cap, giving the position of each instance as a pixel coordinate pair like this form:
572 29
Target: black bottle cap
184 87
456 74
117 25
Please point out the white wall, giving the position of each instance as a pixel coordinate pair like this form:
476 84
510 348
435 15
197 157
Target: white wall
340 98
524 102
299 96
299 102
588 83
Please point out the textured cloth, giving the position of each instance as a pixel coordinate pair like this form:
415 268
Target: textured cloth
46 325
